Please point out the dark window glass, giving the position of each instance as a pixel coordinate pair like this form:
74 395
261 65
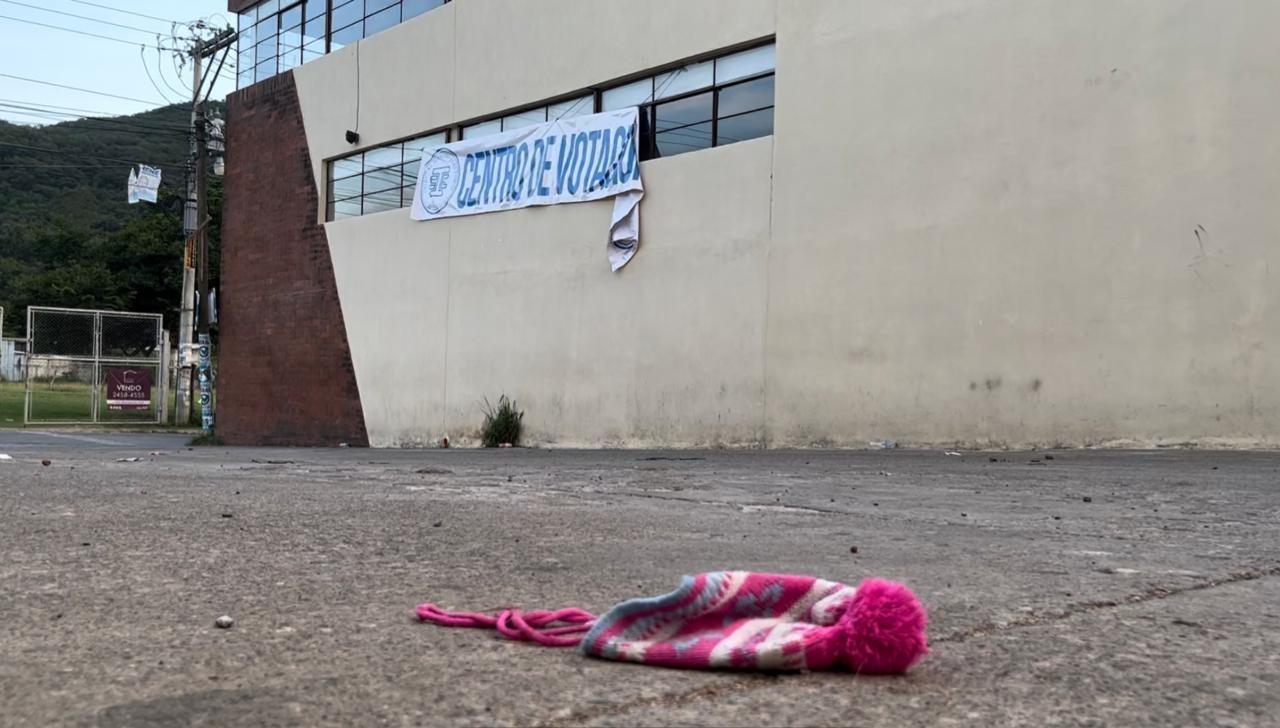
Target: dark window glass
383 179
418 7
313 31
291 18
381 21
290 40
749 96
290 59
348 166
744 126
344 15
683 139
344 208
691 110
344 187
382 201
382 157
347 35
410 172
265 70
266 30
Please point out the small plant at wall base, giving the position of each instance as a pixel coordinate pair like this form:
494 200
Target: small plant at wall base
502 424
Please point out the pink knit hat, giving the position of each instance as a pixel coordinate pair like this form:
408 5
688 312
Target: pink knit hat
736 620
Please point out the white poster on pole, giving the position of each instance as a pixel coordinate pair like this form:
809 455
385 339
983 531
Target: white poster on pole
568 160
144 184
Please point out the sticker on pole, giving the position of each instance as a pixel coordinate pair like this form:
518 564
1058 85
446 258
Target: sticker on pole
128 390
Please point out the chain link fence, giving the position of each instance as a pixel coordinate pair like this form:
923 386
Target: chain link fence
95 367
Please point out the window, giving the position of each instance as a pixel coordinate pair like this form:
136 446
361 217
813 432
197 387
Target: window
377 180
277 35
577 106
695 106
700 105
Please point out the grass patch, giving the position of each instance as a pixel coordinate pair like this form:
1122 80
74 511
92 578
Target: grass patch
502 424
70 402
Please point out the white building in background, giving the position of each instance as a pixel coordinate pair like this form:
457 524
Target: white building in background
982 222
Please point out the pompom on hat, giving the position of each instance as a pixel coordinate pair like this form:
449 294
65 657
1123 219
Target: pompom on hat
734 620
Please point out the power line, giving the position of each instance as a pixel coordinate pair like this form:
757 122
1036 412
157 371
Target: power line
103 118
126 12
165 81
91 124
142 53
80 17
51 150
85 90
78 32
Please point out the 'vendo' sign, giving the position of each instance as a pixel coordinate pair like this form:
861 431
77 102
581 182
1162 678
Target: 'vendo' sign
568 160
128 389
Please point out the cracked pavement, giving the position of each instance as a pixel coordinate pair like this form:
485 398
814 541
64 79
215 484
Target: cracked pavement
1064 588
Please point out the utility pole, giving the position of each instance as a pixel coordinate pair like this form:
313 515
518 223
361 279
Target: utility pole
195 223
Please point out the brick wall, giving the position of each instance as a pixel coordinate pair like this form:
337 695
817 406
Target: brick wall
285 374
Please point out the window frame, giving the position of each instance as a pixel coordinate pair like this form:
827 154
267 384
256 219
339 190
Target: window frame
331 201
248 77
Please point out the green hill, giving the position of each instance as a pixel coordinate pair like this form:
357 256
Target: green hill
68 236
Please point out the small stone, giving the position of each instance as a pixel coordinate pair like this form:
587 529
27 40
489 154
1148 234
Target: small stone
993 460
46 463
437 524
853 549
224 622
1087 499
964 515
877 505
1048 457
86 543
1057 518
228 515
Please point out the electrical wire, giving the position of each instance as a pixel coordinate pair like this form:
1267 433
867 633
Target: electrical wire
126 12
103 118
90 124
85 90
79 17
27 147
165 81
73 30
142 53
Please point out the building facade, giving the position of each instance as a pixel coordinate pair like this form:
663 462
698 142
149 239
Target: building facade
960 222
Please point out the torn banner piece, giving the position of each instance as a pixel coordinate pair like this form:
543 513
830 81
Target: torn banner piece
580 159
144 184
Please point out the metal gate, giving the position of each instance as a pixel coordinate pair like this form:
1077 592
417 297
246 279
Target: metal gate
95 367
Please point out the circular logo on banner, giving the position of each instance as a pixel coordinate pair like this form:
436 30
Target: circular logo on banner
441 176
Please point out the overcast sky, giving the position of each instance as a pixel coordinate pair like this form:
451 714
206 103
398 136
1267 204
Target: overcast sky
63 57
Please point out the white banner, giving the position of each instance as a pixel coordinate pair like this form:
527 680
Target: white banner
568 160
144 184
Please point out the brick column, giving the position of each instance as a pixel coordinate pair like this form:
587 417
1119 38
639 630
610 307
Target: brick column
285 373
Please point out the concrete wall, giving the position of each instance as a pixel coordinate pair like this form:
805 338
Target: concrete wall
1047 222
996 222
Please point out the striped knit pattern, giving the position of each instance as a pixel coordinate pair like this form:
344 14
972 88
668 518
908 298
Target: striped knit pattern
727 619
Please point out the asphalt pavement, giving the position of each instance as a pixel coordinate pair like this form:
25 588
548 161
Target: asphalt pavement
1064 588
